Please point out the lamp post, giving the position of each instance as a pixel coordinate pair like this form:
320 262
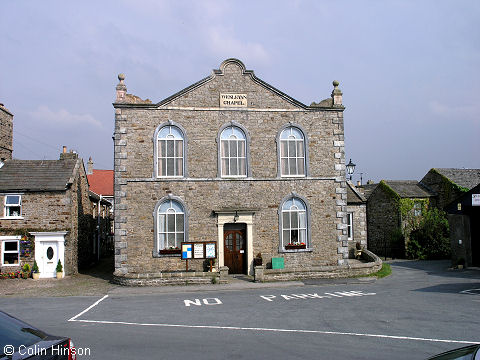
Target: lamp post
350 168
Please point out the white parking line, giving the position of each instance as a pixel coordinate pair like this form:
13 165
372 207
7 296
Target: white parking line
471 291
216 327
87 309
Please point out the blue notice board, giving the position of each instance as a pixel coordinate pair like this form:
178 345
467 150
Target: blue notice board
186 251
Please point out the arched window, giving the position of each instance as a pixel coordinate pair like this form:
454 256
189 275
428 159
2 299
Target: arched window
294 224
292 152
170 142
233 152
170 224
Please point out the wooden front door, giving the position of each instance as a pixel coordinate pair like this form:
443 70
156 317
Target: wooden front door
234 251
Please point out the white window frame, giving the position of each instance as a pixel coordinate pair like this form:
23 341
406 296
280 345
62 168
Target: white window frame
170 138
350 225
6 212
5 239
298 142
229 140
163 244
417 208
296 201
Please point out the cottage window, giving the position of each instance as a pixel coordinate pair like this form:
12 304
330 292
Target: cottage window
350 226
417 209
233 147
13 205
171 224
294 224
170 152
10 253
292 152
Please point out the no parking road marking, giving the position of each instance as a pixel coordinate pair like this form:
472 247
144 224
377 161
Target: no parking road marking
328 295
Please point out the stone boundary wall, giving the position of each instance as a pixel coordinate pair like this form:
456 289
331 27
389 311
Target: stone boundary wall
169 278
373 265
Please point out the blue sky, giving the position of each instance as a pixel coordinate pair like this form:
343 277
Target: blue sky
409 70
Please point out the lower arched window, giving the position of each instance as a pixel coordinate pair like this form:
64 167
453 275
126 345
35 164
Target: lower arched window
294 224
170 224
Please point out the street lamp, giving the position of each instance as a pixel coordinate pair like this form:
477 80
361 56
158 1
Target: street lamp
350 168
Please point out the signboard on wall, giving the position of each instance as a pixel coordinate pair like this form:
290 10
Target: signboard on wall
199 250
475 199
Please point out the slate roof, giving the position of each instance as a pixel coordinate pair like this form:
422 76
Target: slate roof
101 182
367 189
37 175
353 195
467 178
409 188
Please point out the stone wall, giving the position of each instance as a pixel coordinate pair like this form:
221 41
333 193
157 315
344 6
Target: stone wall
383 217
445 190
197 112
6 133
359 222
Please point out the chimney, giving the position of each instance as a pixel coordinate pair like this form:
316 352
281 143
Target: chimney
90 166
68 155
359 183
121 89
336 94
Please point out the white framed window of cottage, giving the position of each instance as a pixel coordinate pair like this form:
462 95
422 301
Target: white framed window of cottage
170 225
350 226
294 224
10 253
13 206
233 152
292 152
170 152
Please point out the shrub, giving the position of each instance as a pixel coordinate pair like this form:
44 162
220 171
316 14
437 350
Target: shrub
431 240
35 267
26 268
59 266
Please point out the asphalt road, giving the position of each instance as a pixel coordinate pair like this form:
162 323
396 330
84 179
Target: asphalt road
421 310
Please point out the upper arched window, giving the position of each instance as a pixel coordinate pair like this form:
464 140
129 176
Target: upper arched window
233 152
292 152
294 224
170 152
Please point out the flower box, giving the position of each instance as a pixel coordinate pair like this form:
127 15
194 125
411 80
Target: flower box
170 251
295 246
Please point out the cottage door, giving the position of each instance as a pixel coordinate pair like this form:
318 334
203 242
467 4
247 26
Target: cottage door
50 258
234 251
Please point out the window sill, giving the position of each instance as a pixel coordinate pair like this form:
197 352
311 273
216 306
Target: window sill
12 218
11 265
296 250
156 254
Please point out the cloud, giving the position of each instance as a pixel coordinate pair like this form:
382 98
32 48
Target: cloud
64 118
223 42
471 111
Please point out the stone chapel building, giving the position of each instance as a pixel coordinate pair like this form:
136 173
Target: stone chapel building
229 159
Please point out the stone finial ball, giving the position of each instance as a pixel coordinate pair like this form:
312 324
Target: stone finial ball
121 77
335 83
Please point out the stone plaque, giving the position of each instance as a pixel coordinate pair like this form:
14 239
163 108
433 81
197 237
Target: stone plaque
233 100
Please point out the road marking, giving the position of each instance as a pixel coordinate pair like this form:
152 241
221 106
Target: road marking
322 332
207 301
87 309
337 294
471 292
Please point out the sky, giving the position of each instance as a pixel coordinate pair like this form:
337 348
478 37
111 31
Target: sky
409 70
